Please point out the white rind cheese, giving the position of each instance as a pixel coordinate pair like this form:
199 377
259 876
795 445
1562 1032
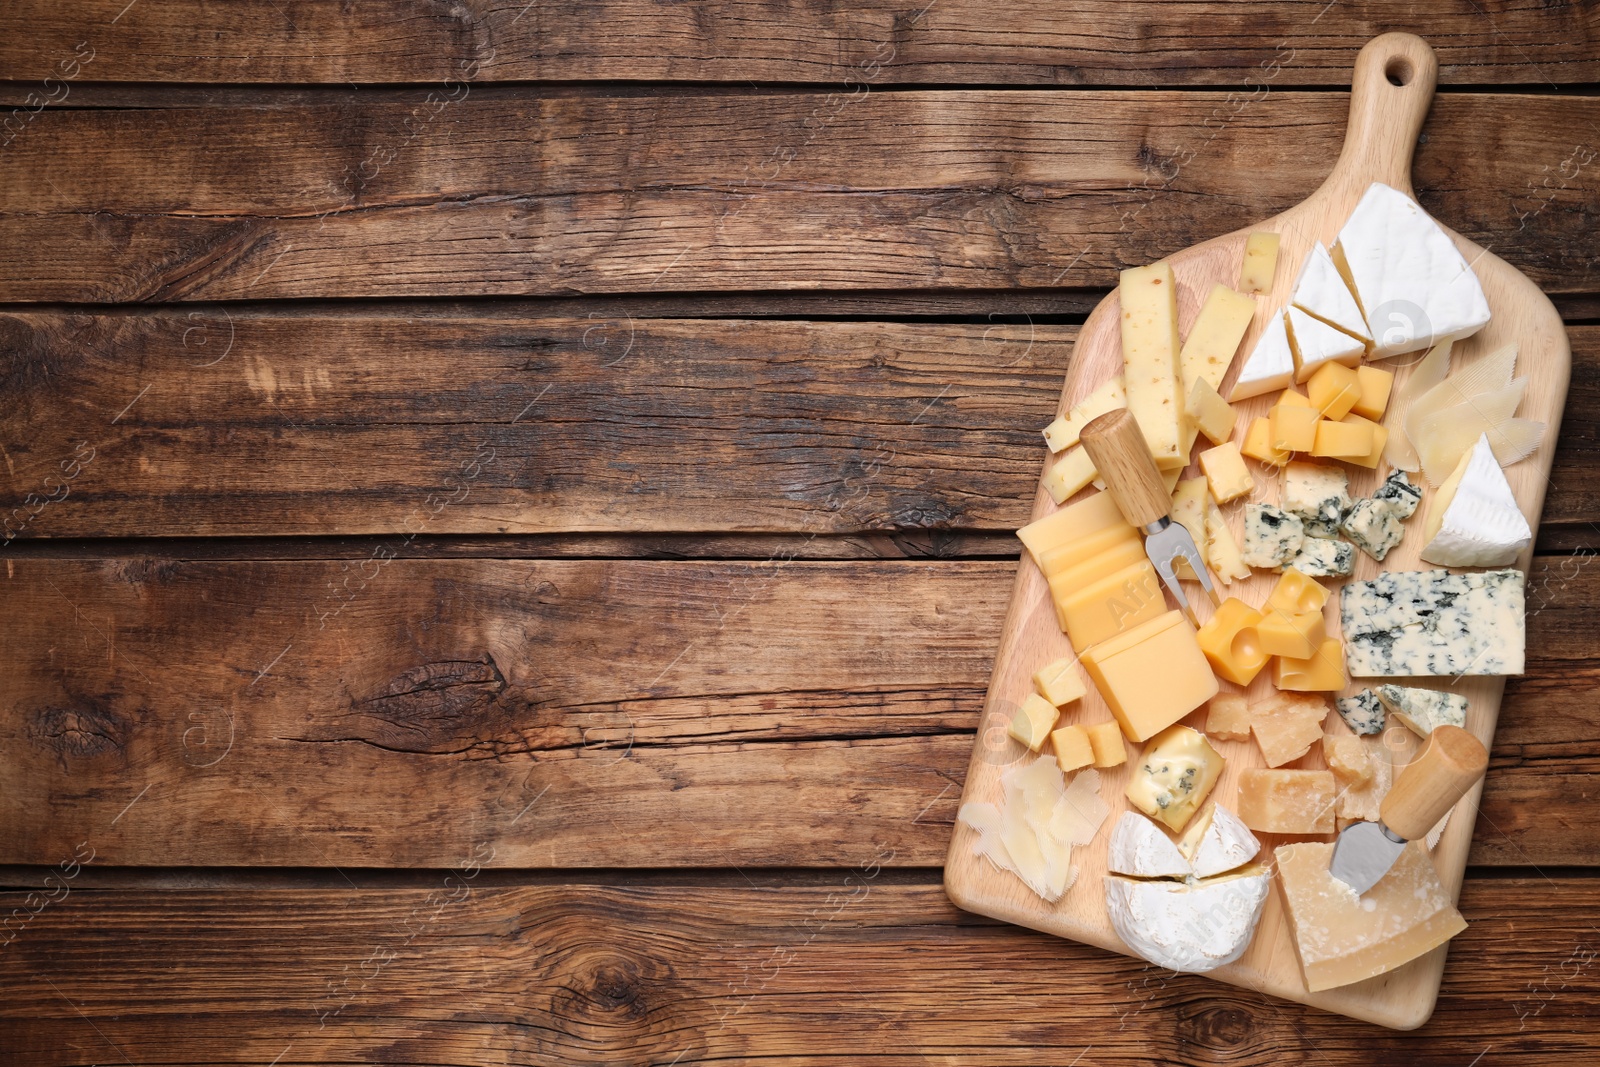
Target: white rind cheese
1321 557
1272 536
1434 623
1319 494
1142 849
1321 291
1315 343
1270 364
1415 288
1373 526
1482 526
1362 712
1220 844
1424 709
1186 927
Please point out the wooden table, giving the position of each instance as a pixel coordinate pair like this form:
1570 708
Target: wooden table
510 506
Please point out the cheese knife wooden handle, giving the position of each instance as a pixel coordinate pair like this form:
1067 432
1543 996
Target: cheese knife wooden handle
1117 446
1449 764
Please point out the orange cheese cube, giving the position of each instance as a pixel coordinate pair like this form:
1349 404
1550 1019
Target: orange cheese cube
1152 675
1296 594
1033 721
1380 437
1286 801
1230 644
1293 398
1228 717
1375 385
1341 440
1059 681
1106 740
1323 672
1334 390
1225 472
1104 608
1258 444
1295 636
1294 429
1287 725
1072 747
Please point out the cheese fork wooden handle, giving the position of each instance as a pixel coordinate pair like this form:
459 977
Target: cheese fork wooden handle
1449 764
1117 446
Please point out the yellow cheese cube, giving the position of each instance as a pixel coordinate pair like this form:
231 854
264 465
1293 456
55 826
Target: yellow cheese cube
1375 385
1296 636
1222 551
1149 300
1174 776
1341 938
1294 429
1071 525
1213 415
1226 475
1072 747
1334 390
1152 675
1287 725
1341 440
1260 262
1104 608
1258 444
1214 338
1293 398
1069 474
1032 722
1059 681
1297 594
1380 437
1229 641
1286 801
1347 758
1323 672
1228 717
1106 740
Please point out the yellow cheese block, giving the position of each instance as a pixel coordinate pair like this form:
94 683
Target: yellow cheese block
1260 262
1287 725
1342 938
1064 432
1072 746
1380 438
1258 444
1074 554
1296 636
1149 300
1294 429
1322 672
1069 474
1070 525
1286 801
1296 594
1209 413
1228 717
1124 553
1059 682
1152 675
1102 609
1226 475
1229 641
1293 398
1375 385
1222 551
1334 390
1343 440
1032 722
1214 338
1106 740
1174 776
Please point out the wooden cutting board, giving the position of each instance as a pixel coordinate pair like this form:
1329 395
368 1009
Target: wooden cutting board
1391 90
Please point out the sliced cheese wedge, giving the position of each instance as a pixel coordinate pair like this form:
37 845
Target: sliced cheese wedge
1315 343
1142 849
1398 450
1474 520
1270 365
1220 842
1414 286
1185 927
1321 291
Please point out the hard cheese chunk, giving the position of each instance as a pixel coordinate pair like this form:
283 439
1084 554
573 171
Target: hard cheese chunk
1111 605
1069 474
1059 681
1258 444
1033 721
1342 938
1260 262
1322 671
1207 410
1229 641
1071 525
1296 594
1228 717
1174 776
1434 623
1225 472
1072 747
1152 675
1334 390
1287 802
1063 433
1215 336
1149 299
1105 738
1375 385
1287 725
1294 636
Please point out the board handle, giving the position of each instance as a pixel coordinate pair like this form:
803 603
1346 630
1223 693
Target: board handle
1117 446
1390 93
1449 764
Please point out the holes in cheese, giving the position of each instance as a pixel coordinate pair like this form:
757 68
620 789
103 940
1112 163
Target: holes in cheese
1151 675
1321 672
1297 636
1286 801
1296 594
1230 643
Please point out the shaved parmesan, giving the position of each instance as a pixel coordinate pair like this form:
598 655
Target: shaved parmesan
1033 832
1444 437
1428 373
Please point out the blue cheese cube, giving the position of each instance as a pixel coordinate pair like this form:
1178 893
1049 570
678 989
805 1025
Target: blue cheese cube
1319 494
1272 536
1424 709
1398 491
1373 526
1362 712
1320 557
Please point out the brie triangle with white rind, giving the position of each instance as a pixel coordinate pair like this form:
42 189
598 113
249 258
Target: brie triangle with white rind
1414 286
1270 366
1142 849
1188 927
1224 844
1315 343
1321 291
1476 522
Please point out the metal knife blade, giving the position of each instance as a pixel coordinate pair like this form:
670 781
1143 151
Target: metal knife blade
1364 853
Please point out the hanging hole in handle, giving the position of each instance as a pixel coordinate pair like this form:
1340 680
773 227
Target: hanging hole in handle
1398 71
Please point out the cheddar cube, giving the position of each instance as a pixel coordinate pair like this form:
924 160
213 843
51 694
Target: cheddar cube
1294 429
1258 444
1226 473
1106 740
1104 608
1032 722
1072 747
1296 636
1260 262
1071 525
1287 725
1294 398
1380 437
1228 717
1334 390
1375 385
1323 672
1069 474
1286 801
1152 675
1213 415
1341 440
1229 641
1296 594
1059 681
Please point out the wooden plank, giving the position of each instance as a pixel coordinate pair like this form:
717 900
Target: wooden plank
564 193
859 969
229 422
774 713
1302 42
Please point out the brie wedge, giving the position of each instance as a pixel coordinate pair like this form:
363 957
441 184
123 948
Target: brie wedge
1315 343
1219 843
1142 849
1414 286
1474 520
1270 366
1322 292
1187 927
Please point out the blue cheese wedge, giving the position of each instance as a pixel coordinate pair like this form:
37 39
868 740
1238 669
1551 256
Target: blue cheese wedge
1362 712
1421 710
1373 526
1272 536
1434 623
1319 494
1398 491
1320 557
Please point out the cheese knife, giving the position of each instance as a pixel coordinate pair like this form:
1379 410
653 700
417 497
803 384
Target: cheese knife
1450 763
1117 446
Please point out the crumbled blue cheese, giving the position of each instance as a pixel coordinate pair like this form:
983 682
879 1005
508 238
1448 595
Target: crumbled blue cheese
1423 709
1374 526
1320 557
1362 712
1272 536
1434 623
1319 494
1398 491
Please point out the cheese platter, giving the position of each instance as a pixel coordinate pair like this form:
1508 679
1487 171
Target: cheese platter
1294 614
